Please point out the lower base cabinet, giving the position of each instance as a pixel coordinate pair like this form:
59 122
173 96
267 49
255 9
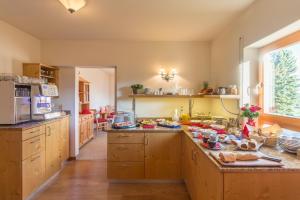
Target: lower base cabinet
139 155
86 128
163 156
52 149
203 179
31 156
34 171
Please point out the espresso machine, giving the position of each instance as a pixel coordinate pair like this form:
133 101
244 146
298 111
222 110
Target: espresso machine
41 101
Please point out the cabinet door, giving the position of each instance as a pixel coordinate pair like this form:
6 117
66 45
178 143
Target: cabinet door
208 178
64 141
163 156
33 173
189 166
91 127
52 149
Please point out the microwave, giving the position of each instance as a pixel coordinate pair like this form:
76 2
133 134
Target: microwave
15 105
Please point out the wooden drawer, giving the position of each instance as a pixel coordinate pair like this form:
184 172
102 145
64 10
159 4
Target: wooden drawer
32 146
126 138
33 132
126 152
33 173
125 170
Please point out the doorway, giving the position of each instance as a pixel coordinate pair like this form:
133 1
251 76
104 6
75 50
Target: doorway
97 103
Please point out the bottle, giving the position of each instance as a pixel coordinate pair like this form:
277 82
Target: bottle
175 115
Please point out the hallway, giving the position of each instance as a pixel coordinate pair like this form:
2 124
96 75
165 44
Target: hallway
85 179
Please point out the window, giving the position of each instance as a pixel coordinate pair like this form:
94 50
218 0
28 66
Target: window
280 78
245 83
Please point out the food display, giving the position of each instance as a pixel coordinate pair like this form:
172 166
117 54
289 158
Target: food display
247 145
168 124
124 125
267 135
148 123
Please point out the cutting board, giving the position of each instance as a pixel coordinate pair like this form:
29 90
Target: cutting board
254 163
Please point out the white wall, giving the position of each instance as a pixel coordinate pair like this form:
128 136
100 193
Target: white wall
16 47
101 86
68 96
137 62
261 19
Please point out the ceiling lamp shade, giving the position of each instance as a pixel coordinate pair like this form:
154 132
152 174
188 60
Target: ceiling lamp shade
73 5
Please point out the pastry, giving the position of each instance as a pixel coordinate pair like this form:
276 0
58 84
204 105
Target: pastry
246 157
227 157
252 144
244 145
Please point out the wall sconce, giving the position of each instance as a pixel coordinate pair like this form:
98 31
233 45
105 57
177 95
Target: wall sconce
73 5
167 76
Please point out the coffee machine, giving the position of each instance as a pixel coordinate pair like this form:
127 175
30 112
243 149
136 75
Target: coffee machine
41 101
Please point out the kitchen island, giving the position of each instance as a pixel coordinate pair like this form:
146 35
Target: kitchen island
173 154
31 153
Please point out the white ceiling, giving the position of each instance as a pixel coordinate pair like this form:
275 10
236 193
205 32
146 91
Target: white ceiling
151 20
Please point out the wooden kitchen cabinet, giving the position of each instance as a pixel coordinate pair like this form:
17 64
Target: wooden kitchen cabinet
64 139
125 155
33 170
190 166
126 152
163 155
29 156
52 148
202 177
86 128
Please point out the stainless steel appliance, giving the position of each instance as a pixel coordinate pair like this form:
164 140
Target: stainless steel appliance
14 102
41 103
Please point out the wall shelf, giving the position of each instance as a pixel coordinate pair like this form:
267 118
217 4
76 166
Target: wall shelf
189 97
237 97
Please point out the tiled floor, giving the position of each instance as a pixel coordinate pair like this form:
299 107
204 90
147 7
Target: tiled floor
85 179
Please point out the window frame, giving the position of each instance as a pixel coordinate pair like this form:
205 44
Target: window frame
267 118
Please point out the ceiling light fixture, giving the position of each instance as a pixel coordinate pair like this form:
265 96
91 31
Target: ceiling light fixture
73 5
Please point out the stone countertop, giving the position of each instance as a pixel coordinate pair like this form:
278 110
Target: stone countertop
29 124
290 161
158 129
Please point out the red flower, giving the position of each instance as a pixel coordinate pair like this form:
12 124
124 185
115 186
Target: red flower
252 109
258 108
243 108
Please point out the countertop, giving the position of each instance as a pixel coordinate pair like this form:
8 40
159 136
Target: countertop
29 124
290 161
158 129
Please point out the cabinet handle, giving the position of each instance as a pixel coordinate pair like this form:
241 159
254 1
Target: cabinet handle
193 155
124 135
35 131
146 141
37 140
35 158
49 128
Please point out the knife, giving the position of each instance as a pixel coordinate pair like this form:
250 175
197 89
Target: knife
271 158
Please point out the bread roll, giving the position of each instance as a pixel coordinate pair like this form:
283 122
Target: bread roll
246 157
227 157
252 144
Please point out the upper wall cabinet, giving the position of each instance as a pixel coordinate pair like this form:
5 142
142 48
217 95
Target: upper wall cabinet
48 73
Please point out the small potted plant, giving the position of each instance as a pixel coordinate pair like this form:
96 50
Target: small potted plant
251 113
137 88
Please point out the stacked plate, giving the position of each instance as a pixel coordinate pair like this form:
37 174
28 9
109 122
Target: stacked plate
289 144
